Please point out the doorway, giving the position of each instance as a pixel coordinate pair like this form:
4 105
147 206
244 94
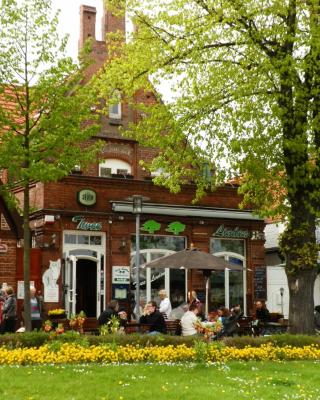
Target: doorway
86 287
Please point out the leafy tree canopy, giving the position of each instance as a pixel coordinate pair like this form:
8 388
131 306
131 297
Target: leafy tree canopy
244 78
44 108
244 88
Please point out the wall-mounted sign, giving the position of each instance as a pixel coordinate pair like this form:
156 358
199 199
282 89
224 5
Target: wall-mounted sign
176 227
3 248
121 275
83 225
20 289
87 197
151 226
260 282
231 233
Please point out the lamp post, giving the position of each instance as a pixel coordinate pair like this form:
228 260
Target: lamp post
137 201
281 294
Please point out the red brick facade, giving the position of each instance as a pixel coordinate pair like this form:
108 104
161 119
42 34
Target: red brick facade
55 229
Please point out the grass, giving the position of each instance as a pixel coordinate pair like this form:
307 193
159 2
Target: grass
235 380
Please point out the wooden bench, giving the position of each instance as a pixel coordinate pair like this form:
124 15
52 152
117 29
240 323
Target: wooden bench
173 327
245 326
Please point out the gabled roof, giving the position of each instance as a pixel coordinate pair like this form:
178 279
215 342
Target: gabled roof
12 217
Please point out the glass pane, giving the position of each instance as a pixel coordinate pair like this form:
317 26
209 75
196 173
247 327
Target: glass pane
83 239
95 240
236 288
142 275
83 252
217 292
148 245
70 239
157 282
177 287
226 245
174 243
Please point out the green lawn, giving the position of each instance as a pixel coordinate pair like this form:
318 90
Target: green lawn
235 380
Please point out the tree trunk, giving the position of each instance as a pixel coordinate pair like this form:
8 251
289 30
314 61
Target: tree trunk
301 306
26 258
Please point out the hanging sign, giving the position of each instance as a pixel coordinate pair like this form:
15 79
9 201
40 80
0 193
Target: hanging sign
83 225
87 197
20 289
231 233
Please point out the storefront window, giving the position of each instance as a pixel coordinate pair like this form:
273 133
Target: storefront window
217 292
227 245
152 280
227 287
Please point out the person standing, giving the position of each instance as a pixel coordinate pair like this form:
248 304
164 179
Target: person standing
165 304
36 306
9 311
153 317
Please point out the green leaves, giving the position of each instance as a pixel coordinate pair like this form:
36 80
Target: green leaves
45 110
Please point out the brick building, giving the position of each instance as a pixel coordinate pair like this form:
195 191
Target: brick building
10 236
84 229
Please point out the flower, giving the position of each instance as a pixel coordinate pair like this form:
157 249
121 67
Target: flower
47 326
57 312
208 328
60 329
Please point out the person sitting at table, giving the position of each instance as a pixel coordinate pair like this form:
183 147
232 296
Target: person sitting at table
189 319
113 310
262 317
153 317
262 313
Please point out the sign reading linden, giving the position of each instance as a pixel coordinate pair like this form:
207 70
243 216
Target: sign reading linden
87 197
231 233
83 225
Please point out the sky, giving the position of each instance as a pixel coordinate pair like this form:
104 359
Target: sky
69 20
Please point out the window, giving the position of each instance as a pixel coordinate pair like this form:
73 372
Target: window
105 172
115 108
114 166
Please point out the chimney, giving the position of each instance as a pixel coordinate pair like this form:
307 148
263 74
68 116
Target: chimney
87 24
112 23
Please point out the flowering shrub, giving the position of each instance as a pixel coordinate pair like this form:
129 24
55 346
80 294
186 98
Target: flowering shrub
75 353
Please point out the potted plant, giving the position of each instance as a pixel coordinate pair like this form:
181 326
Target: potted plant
57 313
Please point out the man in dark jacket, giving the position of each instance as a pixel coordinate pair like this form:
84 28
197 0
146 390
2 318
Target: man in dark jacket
154 318
262 313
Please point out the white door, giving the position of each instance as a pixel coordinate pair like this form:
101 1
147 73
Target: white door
83 285
70 285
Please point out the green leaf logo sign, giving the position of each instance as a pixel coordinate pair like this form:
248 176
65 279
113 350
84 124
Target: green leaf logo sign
151 226
176 227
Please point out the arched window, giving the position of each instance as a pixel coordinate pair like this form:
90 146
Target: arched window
114 166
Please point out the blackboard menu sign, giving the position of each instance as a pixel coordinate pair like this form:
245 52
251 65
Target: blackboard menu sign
260 282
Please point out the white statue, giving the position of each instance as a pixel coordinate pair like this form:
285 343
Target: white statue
51 275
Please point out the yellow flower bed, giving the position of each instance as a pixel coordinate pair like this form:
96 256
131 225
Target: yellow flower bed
71 353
